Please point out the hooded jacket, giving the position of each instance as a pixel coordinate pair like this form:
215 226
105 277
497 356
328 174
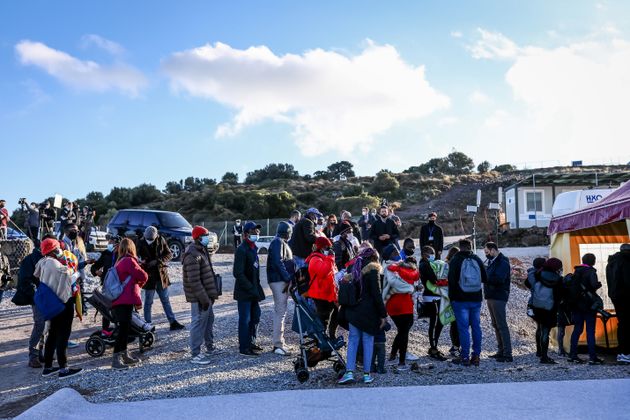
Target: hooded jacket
367 314
280 258
56 276
125 267
322 269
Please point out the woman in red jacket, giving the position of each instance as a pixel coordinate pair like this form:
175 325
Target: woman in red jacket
323 289
400 309
127 267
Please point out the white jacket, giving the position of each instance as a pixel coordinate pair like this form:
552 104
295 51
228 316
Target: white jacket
56 276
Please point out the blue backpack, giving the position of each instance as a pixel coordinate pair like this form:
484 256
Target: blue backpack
47 302
112 287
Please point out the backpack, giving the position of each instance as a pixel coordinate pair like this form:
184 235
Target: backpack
112 287
470 276
542 296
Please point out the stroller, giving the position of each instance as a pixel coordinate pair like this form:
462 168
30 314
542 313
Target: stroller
101 339
315 345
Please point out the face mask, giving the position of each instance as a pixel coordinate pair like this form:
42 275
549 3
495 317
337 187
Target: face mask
149 241
73 235
110 247
327 252
238 223
253 238
319 227
58 253
364 213
431 258
350 237
431 222
205 240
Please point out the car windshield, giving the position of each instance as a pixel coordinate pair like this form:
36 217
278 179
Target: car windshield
173 220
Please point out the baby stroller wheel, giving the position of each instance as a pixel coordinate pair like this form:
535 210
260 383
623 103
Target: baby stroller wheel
302 375
146 340
95 346
298 364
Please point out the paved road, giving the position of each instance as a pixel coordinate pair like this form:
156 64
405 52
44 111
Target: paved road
595 399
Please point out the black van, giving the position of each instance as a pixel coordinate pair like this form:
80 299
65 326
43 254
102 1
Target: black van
171 225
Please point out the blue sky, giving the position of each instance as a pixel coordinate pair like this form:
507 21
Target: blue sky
101 94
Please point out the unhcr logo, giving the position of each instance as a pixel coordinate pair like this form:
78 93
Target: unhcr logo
593 198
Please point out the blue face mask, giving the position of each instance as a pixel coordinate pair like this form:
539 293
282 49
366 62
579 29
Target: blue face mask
431 257
253 238
110 247
204 240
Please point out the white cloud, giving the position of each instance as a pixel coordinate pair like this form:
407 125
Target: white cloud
456 34
102 43
477 97
574 99
446 121
80 74
493 45
334 102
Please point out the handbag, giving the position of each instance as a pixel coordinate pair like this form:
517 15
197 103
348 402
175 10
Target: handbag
47 302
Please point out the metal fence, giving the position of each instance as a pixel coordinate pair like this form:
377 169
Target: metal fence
15 250
224 229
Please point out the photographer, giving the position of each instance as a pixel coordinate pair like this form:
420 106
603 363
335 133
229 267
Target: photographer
47 216
32 221
86 220
583 294
68 217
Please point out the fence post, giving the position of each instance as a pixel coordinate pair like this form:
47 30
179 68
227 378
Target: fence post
225 231
267 226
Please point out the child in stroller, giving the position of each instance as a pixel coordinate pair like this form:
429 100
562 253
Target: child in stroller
101 339
315 344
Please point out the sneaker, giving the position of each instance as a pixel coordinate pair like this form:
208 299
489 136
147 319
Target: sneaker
460 361
496 356
73 344
402 368
505 359
474 360
410 357
280 351
576 360
435 354
623 358
34 363
249 353
176 326
68 372
367 378
200 359
596 361
49 371
347 378
548 361
256 347
454 351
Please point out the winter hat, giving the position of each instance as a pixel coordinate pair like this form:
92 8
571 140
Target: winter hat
388 251
345 226
151 233
199 231
538 263
284 230
552 264
322 242
49 245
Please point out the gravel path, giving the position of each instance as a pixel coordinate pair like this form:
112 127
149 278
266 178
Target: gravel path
167 373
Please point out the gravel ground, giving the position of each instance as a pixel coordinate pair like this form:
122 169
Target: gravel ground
166 372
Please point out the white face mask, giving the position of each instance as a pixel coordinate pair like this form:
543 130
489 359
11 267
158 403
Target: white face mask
110 247
350 237
150 241
319 228
326 252
364 213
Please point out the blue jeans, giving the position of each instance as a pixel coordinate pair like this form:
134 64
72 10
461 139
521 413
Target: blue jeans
468 315
248 319
356 336
579 318
299 262
166 303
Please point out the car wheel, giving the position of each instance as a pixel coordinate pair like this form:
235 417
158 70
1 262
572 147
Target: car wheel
262 251
176 249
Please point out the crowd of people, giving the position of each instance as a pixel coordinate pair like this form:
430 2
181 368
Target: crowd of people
393 281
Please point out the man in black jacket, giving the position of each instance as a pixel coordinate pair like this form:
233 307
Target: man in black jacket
365 223
247 290
583 285
467 270
304 236
618 279
154 254
24 295
431 235
496 290
384 231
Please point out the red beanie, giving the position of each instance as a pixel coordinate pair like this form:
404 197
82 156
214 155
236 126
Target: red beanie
322 242
49 245
199 231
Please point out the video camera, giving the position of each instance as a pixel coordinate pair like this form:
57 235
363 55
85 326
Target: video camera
23 202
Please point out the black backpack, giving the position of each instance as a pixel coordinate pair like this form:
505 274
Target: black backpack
349 293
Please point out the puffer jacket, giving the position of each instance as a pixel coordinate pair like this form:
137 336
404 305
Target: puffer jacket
56 276
199 278
125 267
322 269
367 314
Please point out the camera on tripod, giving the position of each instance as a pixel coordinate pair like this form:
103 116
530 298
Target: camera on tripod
22 202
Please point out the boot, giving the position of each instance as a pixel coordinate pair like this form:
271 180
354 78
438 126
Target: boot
128 360
378 360
117 362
